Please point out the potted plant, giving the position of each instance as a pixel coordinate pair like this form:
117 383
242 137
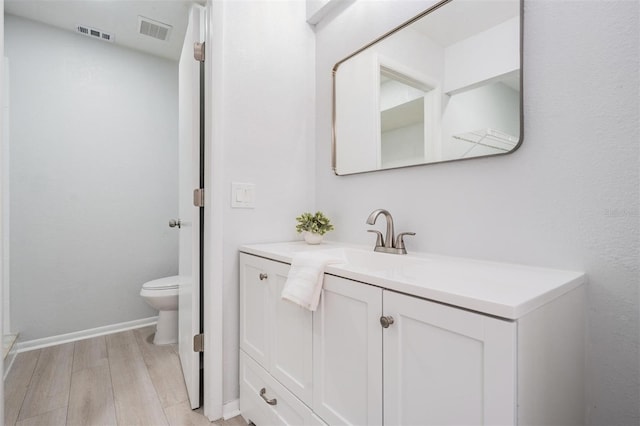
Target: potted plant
313 226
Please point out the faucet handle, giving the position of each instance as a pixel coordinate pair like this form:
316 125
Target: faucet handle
400 239
379 239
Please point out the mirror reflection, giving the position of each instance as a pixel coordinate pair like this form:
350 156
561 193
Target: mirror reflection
444 87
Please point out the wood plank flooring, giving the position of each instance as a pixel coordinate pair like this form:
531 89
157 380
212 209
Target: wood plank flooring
120 379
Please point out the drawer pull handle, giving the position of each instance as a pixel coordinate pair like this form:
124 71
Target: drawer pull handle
273 401
263 276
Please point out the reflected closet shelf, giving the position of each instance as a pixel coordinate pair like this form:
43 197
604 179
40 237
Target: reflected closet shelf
490 138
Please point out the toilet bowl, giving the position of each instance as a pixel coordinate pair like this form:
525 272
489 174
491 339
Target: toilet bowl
162 294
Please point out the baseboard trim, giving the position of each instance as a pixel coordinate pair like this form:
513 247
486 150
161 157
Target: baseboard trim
231 409
8 362
30 345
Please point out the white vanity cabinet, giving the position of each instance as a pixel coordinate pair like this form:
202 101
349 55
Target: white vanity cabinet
411 340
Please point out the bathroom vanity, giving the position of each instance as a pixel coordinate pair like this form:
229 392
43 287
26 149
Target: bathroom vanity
413 339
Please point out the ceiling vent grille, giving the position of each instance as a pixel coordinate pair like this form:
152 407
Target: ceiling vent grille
94 33
154 29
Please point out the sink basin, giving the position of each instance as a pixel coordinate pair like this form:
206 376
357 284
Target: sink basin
374 261
357 258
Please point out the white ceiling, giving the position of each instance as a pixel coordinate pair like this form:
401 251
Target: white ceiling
116 17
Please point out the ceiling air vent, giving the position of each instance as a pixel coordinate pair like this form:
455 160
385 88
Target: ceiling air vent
154 29
94 33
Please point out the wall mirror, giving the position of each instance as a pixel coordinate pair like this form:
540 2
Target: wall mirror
444 86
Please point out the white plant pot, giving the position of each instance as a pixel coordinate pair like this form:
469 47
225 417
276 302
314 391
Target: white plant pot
312 238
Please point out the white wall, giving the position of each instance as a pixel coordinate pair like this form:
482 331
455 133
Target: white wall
93 179
264 122
568 198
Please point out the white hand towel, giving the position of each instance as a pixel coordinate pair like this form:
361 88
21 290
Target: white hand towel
304 282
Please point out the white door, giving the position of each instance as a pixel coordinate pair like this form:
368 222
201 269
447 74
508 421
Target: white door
347 353
446 366
189 176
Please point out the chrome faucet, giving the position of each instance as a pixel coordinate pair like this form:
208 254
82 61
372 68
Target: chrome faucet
387 244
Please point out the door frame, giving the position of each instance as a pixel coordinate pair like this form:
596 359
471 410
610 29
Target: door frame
212 297
2 205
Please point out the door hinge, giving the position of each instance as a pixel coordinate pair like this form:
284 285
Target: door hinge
198 197
198 51
198 343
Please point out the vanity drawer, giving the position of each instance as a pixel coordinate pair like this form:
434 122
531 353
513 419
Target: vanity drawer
286 410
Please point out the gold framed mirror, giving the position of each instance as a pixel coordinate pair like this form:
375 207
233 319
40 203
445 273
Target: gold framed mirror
444 86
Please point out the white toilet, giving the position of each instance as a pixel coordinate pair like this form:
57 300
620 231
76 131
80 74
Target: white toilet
162 294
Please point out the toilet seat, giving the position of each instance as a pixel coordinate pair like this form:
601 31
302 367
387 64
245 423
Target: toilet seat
166 283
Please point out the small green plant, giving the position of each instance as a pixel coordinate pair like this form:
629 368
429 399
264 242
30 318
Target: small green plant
317 223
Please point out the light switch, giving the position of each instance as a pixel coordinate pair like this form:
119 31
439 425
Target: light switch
243 195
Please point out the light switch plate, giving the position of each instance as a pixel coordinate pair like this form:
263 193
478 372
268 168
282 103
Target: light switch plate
243 195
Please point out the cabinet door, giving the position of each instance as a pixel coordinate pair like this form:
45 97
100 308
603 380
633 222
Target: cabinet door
291 339
276 333
347 349
446 366
254 307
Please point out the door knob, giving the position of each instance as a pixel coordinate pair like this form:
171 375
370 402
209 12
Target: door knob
175 222
263 276
385 322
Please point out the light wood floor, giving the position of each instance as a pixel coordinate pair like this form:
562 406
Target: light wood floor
120 379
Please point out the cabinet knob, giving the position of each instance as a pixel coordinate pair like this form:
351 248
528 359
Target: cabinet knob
263 276
273 401
385 322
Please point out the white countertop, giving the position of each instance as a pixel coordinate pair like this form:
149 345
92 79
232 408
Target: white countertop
501 289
